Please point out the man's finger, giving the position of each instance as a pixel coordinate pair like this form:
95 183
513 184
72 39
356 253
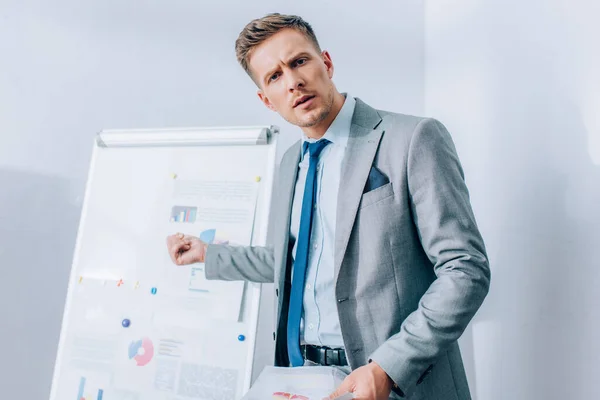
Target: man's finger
189 238
341 390
174 249
185 258
172 240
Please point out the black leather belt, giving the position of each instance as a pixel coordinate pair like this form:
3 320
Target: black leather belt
324 355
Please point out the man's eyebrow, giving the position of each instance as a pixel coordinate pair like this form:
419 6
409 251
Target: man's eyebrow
288 61
297 56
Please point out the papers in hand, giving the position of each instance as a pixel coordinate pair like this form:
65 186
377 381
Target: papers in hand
300 383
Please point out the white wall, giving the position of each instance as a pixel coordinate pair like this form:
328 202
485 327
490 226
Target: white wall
69 69
518 84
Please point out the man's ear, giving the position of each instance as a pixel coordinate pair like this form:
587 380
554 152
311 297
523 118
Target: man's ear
328 63
265 100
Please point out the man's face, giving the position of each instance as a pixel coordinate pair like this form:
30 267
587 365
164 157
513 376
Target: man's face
294 79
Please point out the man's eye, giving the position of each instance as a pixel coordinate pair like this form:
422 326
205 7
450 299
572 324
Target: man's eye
273 77
301 61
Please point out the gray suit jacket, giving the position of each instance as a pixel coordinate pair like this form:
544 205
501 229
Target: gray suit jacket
410 265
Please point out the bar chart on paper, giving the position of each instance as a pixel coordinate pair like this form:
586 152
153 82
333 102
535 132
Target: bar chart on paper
183 214
82 394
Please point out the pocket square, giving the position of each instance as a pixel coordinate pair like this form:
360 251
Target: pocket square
376 179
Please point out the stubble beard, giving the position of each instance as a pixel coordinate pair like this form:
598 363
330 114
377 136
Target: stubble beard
321 116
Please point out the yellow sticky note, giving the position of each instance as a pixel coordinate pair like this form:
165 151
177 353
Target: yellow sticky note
174 176
257 179
80 279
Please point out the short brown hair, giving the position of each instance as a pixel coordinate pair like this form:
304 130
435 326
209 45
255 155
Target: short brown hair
259 30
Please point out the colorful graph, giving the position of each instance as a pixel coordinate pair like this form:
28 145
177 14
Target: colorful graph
141 351
82 395
183 214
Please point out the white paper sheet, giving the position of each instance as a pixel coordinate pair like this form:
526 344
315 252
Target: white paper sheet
301 383
218 212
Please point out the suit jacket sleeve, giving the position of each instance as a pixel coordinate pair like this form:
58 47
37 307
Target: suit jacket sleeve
446 226
235 263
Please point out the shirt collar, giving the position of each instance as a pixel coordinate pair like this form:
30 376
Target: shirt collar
339 130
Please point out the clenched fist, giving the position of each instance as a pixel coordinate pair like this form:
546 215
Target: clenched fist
186 249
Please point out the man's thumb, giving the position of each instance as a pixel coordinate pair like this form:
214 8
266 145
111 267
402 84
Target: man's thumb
341 390
187 257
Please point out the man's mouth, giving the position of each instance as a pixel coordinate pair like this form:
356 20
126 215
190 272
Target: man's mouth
302 100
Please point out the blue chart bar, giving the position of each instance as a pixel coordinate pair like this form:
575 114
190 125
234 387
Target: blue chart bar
81 388
100 393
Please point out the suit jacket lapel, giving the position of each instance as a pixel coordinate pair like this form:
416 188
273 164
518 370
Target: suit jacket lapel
360 152
288 171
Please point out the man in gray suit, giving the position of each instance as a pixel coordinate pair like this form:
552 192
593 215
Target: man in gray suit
377 260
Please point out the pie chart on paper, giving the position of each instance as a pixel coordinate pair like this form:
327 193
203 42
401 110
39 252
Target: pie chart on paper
210 236
141 351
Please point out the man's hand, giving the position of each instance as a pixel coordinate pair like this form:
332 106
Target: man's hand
186 249
369 382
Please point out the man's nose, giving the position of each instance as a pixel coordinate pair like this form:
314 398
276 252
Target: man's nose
294 81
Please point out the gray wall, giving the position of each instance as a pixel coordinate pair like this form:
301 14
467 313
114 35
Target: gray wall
69 69
518 83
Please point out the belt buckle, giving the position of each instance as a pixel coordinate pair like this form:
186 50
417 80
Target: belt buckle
323 356
334 357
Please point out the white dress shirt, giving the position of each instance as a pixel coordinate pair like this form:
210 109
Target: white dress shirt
320 323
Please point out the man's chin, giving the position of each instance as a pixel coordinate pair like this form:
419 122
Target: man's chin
309 120
306 124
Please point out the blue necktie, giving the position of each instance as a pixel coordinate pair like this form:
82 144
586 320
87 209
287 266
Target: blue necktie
301 260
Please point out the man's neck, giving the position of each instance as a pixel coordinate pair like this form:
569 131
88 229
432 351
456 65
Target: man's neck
317 131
